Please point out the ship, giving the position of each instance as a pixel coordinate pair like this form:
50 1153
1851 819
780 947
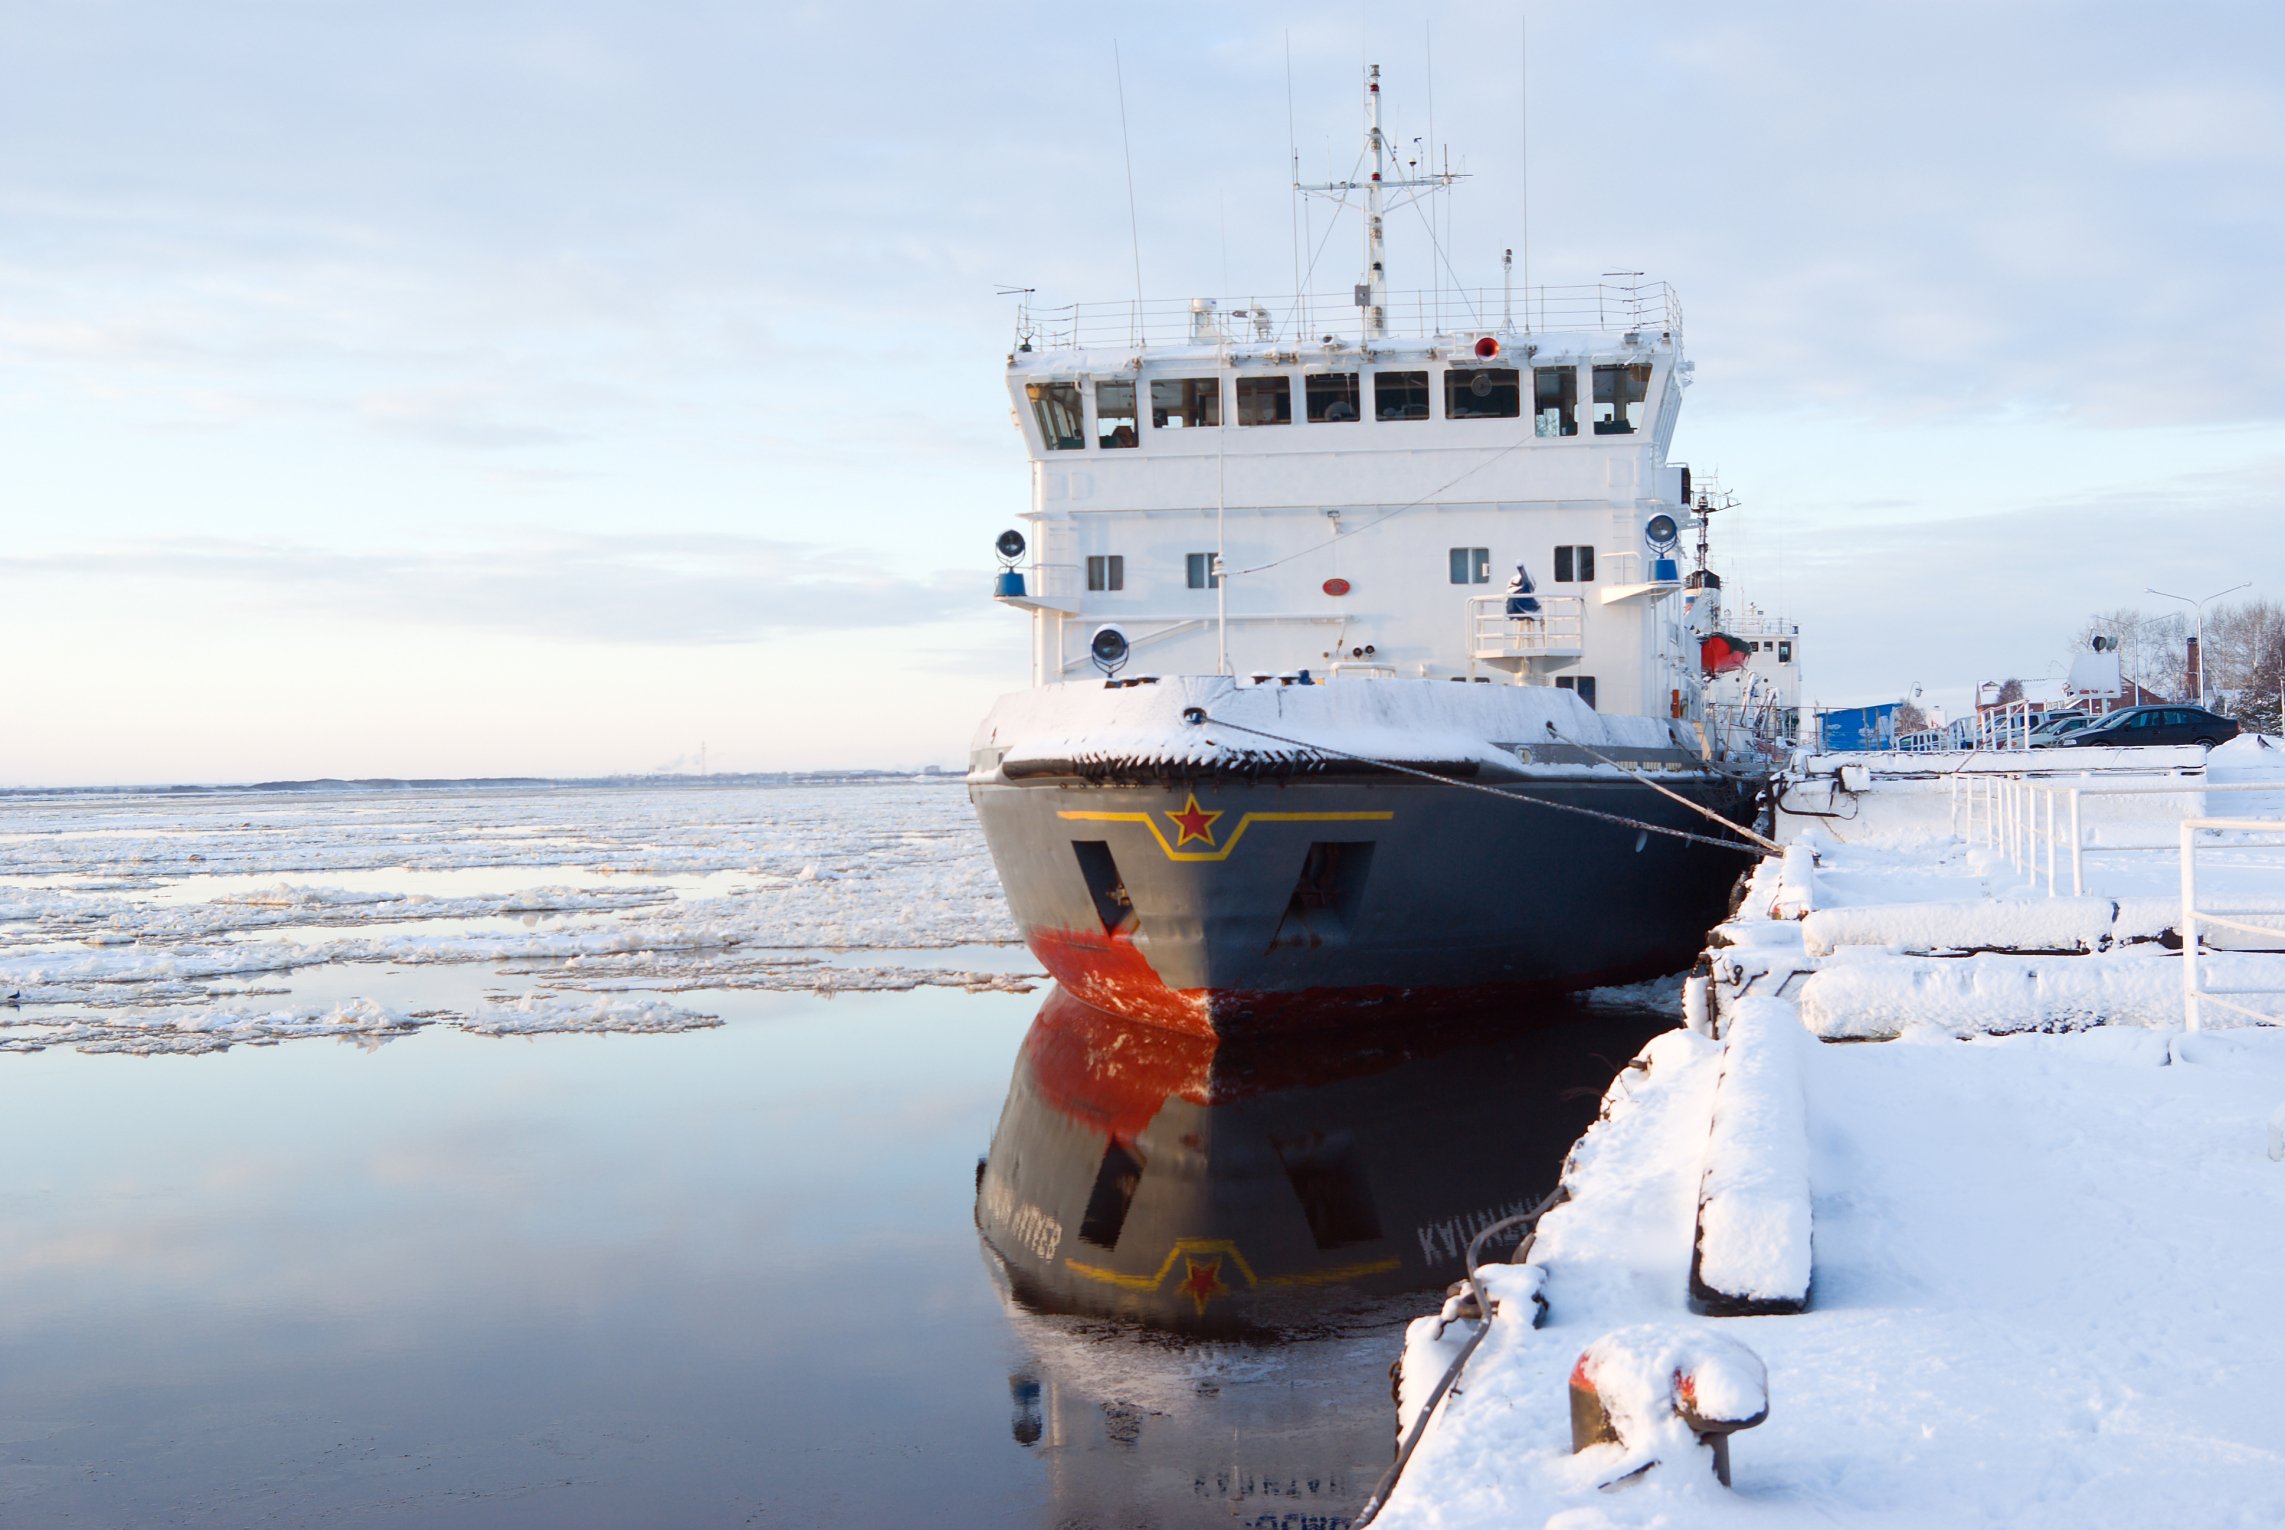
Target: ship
1368 672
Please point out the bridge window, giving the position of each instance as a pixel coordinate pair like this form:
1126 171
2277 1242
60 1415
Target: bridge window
1471 565
1400 395
1584 685
1265 401
1115 413
1332 397
1555 401
1062 424
1179 402
1619 395
1107 572
1575 565
1481 393
1784 651
1200 567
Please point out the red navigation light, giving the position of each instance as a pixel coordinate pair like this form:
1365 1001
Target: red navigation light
1336 586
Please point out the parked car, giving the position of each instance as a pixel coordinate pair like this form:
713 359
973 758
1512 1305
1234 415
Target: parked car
2060 723
2171 724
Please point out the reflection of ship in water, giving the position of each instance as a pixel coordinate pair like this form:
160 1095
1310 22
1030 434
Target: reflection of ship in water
1277 1207
1143 1173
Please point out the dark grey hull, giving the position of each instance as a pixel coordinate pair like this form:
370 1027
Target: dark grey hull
1222 905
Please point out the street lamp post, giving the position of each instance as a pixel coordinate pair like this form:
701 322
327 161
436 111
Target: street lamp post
2201 606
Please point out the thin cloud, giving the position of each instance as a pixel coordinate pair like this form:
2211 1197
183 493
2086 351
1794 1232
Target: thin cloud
666 590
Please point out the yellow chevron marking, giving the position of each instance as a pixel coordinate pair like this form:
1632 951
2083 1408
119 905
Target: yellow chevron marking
1181 1247
1336 1276
1236 834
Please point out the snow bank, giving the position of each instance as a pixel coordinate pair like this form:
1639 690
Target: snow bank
1878 995
1751 1252
2250 757
1991 924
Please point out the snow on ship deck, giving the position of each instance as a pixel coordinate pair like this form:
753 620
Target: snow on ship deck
2045 1217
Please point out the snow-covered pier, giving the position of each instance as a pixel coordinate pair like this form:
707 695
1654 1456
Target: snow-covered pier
2017 1265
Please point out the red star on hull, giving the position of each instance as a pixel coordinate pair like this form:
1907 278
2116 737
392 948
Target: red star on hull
1193 822
1204 1282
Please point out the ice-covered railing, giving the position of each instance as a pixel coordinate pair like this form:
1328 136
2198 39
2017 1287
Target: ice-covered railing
1648 308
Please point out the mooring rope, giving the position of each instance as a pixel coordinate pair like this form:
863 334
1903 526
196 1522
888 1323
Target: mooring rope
1196 716
1770 845
1412 1438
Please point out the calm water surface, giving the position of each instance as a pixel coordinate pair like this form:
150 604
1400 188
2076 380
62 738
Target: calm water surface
729 1277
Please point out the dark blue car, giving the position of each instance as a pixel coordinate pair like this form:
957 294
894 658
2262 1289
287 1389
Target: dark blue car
2169 724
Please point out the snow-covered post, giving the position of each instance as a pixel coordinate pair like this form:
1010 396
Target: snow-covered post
1750 1252
1659 1393
2189 926
2078 848
1796 883
2050 793
1697 1003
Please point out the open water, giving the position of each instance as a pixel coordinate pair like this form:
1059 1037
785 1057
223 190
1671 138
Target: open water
290 1238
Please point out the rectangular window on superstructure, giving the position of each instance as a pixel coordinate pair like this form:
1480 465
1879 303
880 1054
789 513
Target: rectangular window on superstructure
1265 401
1575 564
1583 685
1471 565
1178 403
1619 395
1115 413
1555 401
1200 569
1784 651
1400 395
1482 393
1107 572
1331 397
1062 423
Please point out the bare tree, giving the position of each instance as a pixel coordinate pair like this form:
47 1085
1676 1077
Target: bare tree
2245 661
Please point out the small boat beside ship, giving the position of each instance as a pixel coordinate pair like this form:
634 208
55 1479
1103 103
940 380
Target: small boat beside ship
1298 745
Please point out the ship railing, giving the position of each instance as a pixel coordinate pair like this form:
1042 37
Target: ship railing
2246 924
1557 632
2046 829
1648 309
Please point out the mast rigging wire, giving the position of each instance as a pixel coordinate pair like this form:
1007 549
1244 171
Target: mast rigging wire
1134 227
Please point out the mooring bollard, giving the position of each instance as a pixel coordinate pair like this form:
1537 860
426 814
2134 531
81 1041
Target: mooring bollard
1659 1390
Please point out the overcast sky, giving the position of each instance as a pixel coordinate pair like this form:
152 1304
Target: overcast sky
461 388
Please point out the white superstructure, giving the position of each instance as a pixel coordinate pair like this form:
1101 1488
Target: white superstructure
1366 476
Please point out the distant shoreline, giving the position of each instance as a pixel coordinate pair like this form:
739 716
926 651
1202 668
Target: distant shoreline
333 784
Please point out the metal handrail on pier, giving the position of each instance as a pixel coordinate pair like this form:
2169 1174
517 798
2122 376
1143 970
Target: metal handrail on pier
2194 917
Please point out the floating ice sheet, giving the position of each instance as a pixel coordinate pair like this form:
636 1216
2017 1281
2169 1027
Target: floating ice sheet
140 922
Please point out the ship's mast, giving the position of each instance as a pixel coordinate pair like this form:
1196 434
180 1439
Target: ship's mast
1372 290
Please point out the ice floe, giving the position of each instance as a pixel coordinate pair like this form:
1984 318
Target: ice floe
138 922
